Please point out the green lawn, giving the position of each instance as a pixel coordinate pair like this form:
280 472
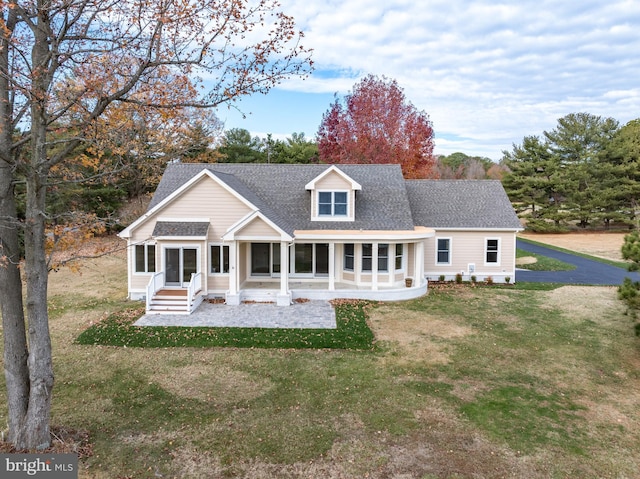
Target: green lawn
464 382
118 330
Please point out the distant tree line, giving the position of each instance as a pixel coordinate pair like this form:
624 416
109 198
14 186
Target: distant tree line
585 172
127 162
460 166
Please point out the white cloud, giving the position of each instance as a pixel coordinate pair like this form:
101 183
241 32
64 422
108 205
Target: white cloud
488 73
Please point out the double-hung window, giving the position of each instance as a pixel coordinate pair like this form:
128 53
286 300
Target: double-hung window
492 251
145 258
443 253
349 256
399 253
332 203
383 257
219 259
367 257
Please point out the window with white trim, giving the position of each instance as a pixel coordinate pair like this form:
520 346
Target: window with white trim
367 256
333 203
145 258
349 257
399 255
492 251
219 257
443 251
383 257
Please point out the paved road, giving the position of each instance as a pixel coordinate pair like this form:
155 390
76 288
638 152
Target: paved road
586 272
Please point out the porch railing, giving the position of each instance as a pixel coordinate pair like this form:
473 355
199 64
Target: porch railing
155 284
195 285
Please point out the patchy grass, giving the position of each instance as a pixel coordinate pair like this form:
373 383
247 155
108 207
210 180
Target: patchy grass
464 382
541 263
117 329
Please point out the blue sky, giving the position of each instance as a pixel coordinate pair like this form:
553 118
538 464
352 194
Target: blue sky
487 72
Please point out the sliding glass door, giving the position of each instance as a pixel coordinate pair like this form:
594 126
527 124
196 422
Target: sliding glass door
180 264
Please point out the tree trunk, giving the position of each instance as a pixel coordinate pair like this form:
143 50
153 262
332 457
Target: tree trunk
13 327
28 367
35 431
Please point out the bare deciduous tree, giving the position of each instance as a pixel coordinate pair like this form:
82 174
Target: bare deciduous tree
63 64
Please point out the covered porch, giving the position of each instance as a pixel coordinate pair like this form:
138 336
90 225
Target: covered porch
323 265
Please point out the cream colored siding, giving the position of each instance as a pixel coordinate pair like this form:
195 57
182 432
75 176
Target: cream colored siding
243 263
333 181
259 228
143 232
469 247
218 282
140 281
204 200
348 276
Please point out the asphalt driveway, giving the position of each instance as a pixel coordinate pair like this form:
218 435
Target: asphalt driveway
586 272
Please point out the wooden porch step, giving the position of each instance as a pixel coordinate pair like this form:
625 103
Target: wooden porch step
171 301
171 293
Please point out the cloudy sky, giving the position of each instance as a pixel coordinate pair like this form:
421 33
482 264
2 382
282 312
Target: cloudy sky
487 72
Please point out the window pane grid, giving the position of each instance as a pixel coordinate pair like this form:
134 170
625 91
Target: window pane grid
349 257
383 257
332 203
492 251
219 259
145 258
444 250
399 250
367 256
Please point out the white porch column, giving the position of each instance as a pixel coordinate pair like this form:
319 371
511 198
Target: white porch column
233 297
332 266
418 267
374 266
284 295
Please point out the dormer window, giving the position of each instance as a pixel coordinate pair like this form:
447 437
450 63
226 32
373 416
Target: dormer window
333 196
333 203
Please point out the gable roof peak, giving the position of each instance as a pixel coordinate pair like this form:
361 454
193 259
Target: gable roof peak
333 168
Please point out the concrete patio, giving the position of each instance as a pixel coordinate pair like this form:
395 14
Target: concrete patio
311 315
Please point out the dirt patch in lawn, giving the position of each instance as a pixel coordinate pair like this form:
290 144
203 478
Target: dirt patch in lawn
221 384
417 334
585 302
526 260
604 245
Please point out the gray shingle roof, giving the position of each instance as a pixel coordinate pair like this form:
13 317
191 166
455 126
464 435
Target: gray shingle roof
180 228
461 204
279 192
386 202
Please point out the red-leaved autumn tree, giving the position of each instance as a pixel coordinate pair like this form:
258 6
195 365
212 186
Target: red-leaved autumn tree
376 124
